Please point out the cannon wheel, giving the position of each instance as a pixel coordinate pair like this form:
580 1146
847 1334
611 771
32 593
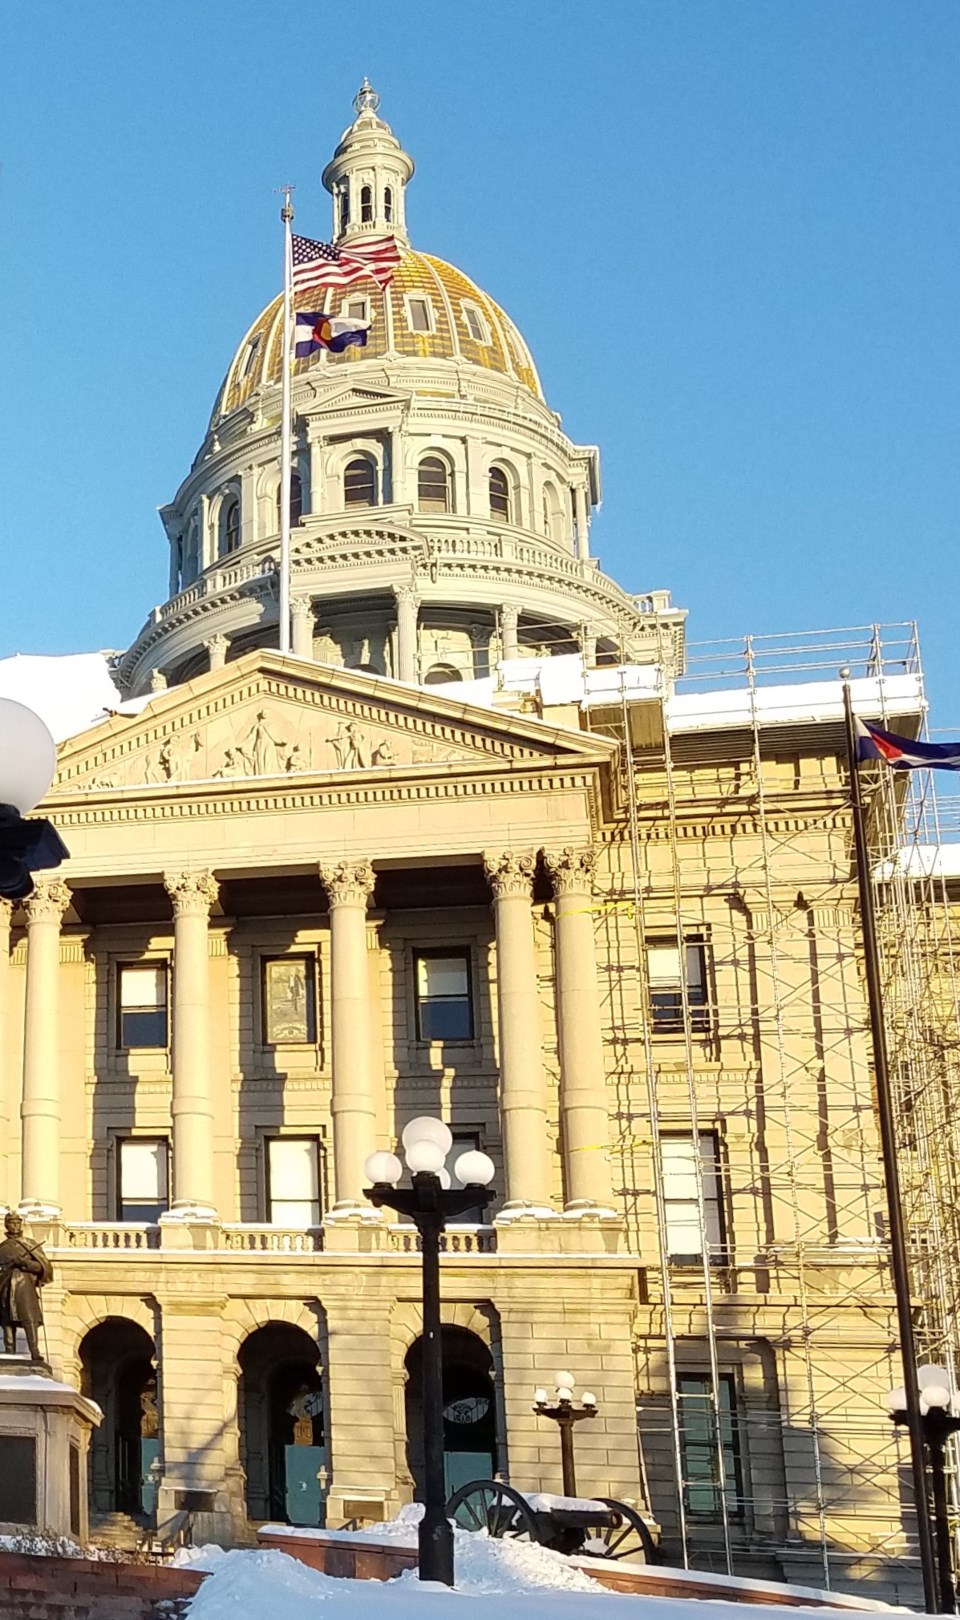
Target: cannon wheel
629 1538
487 1505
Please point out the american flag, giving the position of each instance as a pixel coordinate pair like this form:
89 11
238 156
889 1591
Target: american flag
320 264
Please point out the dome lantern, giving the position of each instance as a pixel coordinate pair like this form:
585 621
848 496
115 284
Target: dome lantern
367 175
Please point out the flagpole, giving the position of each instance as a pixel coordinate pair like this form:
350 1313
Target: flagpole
286 430
888 1143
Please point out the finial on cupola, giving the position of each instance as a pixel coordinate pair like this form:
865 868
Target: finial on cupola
366 98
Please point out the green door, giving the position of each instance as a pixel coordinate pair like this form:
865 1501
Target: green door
302 1486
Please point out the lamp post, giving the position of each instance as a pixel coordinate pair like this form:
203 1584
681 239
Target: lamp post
28 762
429 1202
566 1416
940 1418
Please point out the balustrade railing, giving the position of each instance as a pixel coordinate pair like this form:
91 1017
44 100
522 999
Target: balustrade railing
253 1238
111 1235
456 1240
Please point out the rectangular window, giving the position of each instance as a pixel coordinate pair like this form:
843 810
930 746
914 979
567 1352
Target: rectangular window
356 309
418 315
293 1181
685 1240
142 1179
464 1142
289 1000
667 966
703 1458
475 324
444 1005
141 1004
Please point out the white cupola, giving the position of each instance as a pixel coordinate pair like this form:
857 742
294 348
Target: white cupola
367 175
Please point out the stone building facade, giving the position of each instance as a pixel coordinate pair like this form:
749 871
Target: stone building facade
464 851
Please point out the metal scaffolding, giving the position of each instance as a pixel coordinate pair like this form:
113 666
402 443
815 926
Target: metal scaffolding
801 1265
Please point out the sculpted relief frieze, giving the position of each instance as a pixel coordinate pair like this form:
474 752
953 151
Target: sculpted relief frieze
268 738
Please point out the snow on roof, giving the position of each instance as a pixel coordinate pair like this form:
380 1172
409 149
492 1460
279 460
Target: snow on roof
798 702
69 694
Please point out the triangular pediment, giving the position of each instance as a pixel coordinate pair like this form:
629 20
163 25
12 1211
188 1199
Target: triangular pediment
270 716
361 395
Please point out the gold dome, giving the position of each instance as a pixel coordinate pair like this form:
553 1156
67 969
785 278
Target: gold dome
453 299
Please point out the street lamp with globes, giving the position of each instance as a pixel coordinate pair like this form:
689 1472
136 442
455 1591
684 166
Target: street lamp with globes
566 1416
939 1418
28 763
429 1202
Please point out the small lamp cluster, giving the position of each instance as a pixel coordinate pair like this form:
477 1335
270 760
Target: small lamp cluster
936 1395
426 1143
565 1383
28 763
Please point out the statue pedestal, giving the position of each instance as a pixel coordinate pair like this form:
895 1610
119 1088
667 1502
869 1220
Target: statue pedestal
45 1430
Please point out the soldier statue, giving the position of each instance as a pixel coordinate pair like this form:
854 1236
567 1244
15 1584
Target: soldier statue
24 1269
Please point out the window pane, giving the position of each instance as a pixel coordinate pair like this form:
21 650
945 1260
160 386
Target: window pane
294 1181
499 494
663 966
143 987
143 1170
433 485
288 1000
442 976
143 1180
445 1021
695 971
359 483
419 315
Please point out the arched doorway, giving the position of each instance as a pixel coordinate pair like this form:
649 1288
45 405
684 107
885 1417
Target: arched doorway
281 1411
469 1409
118 1371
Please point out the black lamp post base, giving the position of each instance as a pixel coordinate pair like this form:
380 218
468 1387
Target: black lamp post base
435 1541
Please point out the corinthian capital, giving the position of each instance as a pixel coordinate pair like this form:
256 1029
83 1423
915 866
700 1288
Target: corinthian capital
571 870
48 902
510 872
192 893
406 592
348 883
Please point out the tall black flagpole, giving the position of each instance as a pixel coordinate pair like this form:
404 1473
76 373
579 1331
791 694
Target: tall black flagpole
888 1142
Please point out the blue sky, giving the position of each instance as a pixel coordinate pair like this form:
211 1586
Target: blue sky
727 228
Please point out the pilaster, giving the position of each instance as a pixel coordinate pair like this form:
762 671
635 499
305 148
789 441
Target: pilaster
40 1108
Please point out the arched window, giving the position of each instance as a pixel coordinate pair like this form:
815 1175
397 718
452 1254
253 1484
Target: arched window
366 204
552 522
433 485
360 483
296 500
229 526
441 675
387 204
344 206
499 495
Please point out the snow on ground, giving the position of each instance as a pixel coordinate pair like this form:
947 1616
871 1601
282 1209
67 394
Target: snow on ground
510 1580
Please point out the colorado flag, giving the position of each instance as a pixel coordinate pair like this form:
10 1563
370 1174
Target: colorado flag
333 332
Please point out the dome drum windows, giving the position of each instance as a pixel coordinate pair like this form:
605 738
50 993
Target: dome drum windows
360 482
296 500
434 485
500 496
229 527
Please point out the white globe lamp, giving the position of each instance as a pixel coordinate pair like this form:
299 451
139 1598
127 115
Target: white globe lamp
474 1169
28 757
383 1169
425 1157
426 1129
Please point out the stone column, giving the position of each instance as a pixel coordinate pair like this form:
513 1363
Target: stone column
216 647
584 1115
40 1108
301 614
349 885
509 622
583 523
408 603
193 894
523 1091
6 1101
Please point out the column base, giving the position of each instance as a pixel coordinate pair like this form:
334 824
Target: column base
189 1211
190 1226
34 1209
346 1210
520 1209
579 1207
354 1228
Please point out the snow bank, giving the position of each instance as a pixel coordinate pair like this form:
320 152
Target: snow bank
527 1582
